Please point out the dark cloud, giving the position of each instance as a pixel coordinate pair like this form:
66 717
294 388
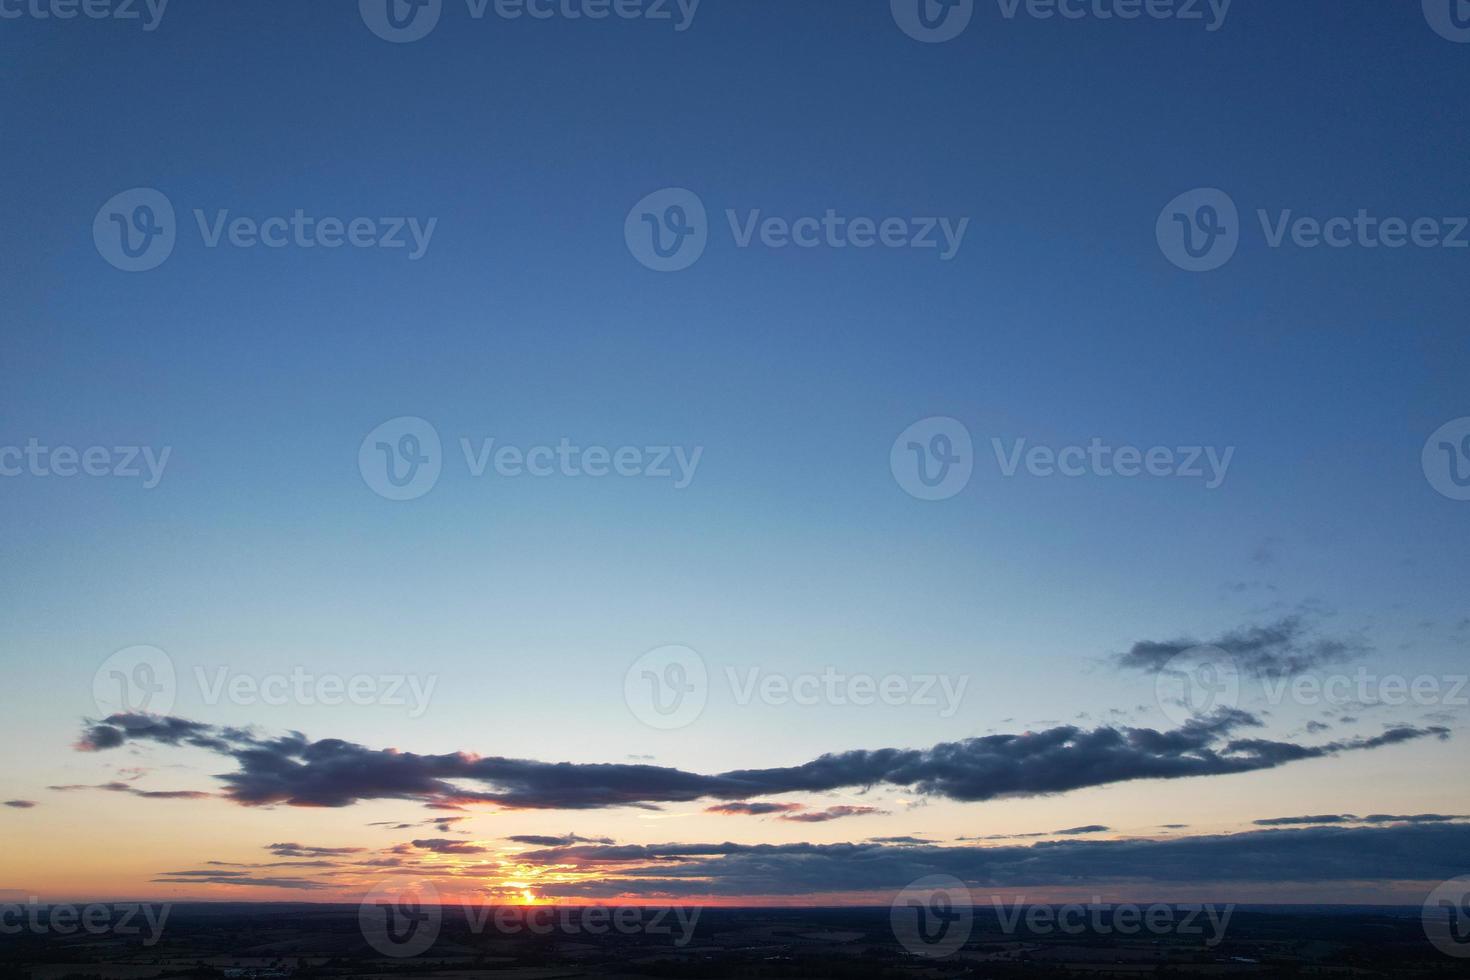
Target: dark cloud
21 804
538 840
1266 552
303 851
753 809
831 813
331 772
1408 852
1348 818
274 864
1092 828
147 794
1005 837
1280 649
441 846
235 878
153 728
444 825
1427 852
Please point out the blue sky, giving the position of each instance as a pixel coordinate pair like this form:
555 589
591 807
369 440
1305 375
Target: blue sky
527 320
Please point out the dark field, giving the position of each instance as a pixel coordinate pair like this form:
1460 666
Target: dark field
309 941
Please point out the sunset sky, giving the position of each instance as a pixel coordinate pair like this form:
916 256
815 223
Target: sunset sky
518 605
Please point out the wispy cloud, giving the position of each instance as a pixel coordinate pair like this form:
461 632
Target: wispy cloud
1348 818
1283 648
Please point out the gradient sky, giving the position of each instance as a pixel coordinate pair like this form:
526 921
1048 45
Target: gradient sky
793 549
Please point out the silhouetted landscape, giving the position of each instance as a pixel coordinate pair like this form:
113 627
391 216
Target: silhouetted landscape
311 941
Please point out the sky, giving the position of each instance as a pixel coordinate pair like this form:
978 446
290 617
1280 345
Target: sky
828 446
